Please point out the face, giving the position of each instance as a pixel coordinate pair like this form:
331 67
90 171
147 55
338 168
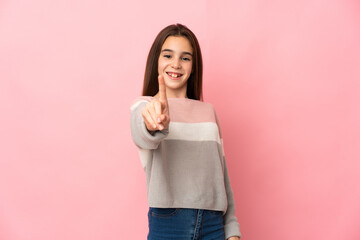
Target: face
175 64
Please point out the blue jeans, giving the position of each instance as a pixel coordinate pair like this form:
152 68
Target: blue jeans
185 224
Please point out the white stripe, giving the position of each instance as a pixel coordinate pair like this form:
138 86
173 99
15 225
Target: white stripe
205 131
137 104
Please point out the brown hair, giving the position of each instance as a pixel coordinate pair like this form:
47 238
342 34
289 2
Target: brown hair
194 83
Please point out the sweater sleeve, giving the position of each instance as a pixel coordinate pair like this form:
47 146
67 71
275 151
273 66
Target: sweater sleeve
141 136
231 224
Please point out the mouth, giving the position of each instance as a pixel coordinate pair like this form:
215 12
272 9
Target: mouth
174 75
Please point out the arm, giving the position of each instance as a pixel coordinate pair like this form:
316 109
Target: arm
150 120
231 225
140 134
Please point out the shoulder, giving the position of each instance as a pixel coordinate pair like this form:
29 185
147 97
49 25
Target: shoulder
208 106
141 100
198 103
192 105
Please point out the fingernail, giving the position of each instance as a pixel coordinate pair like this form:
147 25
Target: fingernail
161 127
154 125
158 120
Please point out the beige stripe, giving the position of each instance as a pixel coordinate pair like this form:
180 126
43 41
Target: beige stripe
222 147
145 156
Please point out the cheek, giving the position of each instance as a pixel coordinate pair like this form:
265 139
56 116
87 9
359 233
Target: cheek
161 66
189 67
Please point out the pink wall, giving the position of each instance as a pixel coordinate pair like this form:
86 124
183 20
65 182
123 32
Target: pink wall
283 76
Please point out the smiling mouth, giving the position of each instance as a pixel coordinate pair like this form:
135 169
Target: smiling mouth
174 75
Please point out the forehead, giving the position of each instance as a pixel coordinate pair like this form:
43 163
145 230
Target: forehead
177 44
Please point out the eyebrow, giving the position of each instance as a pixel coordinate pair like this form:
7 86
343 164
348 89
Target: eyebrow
169 50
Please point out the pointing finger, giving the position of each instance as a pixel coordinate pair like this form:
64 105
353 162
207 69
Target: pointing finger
157 109
162 89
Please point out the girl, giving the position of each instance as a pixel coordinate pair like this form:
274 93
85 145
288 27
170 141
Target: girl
188 186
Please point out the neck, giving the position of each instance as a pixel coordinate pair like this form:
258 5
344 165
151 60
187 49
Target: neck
172 94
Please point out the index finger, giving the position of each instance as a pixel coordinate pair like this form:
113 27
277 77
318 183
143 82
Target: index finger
162 89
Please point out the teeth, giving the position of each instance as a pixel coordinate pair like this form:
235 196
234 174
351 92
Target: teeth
174 75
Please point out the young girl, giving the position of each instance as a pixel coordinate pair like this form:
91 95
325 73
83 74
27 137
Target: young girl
180 145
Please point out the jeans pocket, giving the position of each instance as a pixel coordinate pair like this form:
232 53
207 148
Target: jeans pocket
164 212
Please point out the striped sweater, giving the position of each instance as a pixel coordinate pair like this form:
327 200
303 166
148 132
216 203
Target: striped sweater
185 164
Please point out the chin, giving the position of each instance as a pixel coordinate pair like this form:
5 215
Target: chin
175 86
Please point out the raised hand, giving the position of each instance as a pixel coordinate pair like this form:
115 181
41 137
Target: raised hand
156 113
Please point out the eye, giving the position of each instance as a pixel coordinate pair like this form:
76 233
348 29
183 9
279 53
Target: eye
167 56
186 59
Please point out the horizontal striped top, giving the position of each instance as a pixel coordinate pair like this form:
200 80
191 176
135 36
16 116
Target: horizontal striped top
185 164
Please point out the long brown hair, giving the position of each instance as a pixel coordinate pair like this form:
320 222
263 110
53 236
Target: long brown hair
194 83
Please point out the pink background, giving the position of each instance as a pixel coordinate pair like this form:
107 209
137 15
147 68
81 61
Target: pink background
283 76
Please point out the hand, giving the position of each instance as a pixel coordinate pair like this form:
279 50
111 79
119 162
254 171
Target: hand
234 238
156 113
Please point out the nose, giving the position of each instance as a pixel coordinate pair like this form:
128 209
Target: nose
176 64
